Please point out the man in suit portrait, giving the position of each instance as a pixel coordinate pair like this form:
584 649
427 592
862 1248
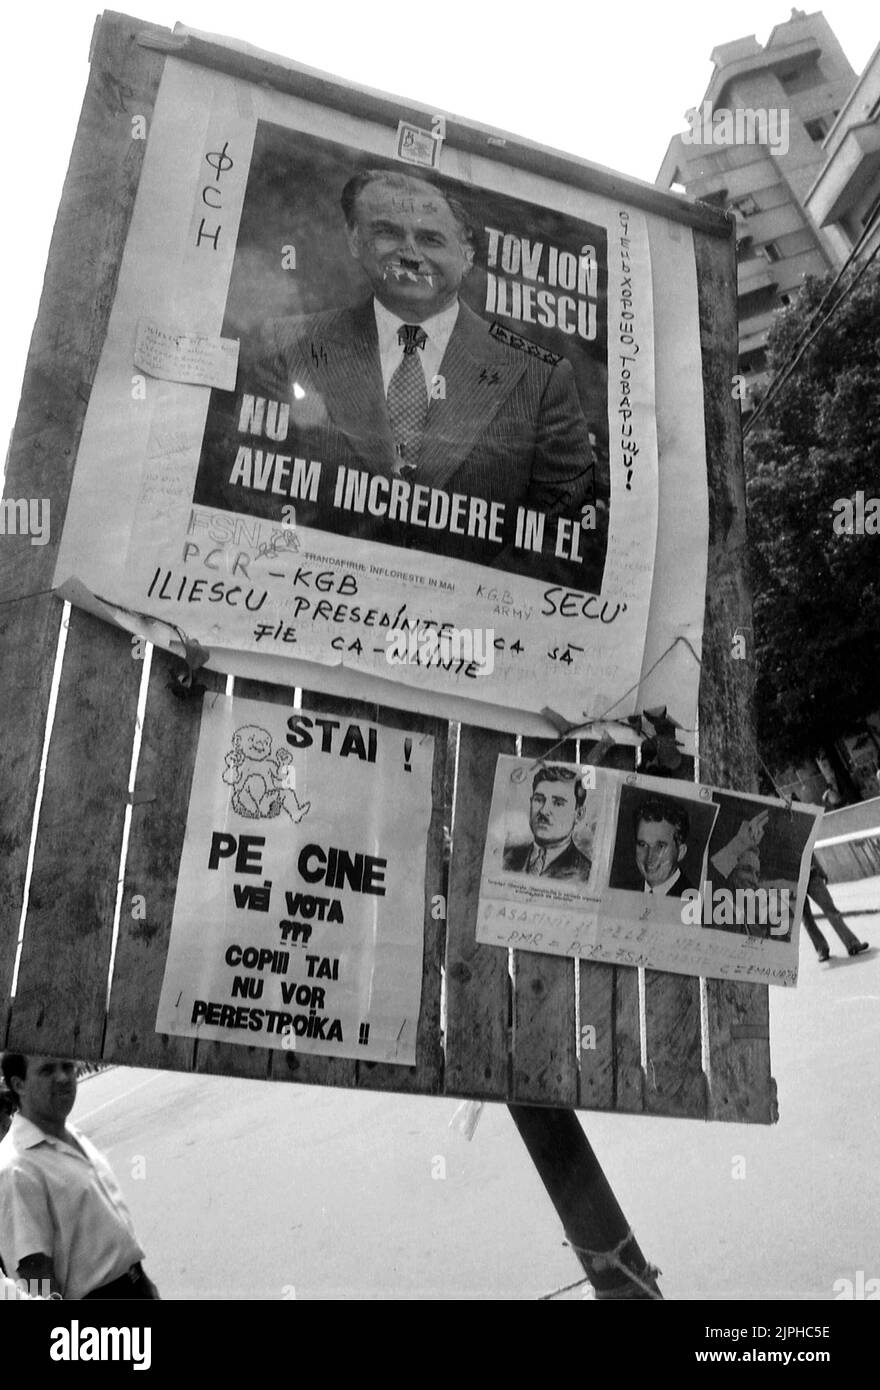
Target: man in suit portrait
557 805
410 384
661 836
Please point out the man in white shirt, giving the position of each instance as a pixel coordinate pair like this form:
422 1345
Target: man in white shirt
63 1219
413 386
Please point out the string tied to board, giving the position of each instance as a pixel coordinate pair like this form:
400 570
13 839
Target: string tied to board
655 727
611 1259
183 684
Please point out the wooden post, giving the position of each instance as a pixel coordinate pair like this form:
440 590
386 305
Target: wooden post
591 1217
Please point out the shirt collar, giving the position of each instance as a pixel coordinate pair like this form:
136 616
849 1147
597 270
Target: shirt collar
438 328
663 888
549 854
27 1135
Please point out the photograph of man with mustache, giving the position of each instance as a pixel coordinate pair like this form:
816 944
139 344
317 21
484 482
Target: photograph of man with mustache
557 805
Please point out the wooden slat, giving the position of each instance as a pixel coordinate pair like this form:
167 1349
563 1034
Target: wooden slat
165 769
629 1078
611 1075
28 638
728 753
545 1066
545 1061
232 1059
95 210
596 1080
741 1084
675 1083
62 984
477 979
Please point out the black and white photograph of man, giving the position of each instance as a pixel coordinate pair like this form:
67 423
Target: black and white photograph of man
556 812
660 843
388 371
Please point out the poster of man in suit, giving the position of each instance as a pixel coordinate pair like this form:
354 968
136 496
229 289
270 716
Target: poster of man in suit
423 334
660 843
352 399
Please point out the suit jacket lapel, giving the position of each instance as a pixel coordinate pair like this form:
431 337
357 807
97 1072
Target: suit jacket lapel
479 377
354 397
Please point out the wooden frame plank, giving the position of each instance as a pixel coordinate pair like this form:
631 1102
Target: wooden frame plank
741 1085
629 1076
611 1076
597 1057
95 210
158 822
675 1083
62 984
477 977
29 633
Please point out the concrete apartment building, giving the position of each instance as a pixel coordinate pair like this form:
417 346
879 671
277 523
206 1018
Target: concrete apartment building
806 195
844 201
763 159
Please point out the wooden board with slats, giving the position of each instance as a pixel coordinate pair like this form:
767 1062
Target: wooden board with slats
525 1028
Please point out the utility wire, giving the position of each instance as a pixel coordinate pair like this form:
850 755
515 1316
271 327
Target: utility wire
854 253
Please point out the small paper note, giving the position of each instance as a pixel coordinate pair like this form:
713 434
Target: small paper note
418 146
194 358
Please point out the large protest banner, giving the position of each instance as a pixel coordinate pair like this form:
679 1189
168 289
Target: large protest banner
298 914
86 918
500 554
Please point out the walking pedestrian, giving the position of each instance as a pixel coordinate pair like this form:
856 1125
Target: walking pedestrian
63 1219
817 889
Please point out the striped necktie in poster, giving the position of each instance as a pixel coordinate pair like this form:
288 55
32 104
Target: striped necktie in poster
408 399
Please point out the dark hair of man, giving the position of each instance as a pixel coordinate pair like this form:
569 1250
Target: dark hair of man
562 774
14 1064
655 810
404 184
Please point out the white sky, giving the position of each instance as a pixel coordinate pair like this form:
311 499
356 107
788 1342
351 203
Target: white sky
609 82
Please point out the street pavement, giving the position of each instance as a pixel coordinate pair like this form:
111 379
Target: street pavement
254 1190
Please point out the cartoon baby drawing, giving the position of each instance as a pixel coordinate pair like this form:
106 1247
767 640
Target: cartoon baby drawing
262 787
285 781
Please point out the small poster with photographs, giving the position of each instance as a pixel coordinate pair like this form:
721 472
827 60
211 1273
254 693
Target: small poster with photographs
632 870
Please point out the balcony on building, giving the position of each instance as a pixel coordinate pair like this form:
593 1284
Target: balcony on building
847 174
